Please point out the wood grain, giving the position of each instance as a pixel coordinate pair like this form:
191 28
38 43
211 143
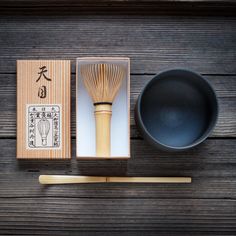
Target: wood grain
188 7
225 87
156 36
211 166
58 92
153 43
75 216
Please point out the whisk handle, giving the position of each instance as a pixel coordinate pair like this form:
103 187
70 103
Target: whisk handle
103 114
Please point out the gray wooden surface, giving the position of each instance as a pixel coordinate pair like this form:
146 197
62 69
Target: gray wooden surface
156 35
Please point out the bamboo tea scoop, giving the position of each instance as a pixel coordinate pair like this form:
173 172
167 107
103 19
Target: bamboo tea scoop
102 82
69 179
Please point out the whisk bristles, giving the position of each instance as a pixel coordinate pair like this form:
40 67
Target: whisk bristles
102 81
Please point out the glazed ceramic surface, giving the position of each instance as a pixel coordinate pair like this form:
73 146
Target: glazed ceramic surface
176 110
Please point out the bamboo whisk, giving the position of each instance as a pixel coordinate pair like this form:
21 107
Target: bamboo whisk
103 82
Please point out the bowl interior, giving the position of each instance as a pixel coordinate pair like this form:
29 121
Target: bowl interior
178 108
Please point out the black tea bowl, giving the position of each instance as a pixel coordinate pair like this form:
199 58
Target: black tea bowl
176 110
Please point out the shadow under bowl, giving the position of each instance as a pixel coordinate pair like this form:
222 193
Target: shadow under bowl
176 110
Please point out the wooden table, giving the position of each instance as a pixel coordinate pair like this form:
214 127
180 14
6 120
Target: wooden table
156 35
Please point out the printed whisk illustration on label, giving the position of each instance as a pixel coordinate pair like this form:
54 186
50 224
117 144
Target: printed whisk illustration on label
44 126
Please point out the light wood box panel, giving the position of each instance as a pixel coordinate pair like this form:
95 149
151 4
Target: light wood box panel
38 114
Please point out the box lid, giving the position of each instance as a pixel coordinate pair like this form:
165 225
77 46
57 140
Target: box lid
43 109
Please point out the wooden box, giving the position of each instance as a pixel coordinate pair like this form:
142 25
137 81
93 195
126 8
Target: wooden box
43 109
120 119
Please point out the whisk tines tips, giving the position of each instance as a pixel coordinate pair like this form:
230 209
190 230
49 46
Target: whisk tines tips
102 80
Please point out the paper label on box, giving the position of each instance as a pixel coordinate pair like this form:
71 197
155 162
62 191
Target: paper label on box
43 126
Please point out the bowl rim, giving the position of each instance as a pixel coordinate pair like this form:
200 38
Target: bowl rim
205 134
